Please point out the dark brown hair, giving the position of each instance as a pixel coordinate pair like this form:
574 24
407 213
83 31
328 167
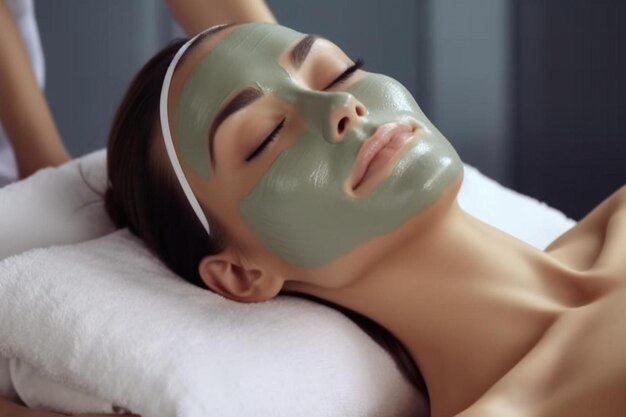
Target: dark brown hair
143 195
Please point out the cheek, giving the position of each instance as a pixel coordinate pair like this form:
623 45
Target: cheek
380 93
291 206
249 175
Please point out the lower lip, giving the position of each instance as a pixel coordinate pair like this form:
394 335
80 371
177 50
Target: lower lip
385 156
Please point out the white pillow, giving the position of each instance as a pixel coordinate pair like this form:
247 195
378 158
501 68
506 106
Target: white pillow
119 329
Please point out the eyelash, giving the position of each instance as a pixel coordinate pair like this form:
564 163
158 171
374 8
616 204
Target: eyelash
342 78
267 141
347 73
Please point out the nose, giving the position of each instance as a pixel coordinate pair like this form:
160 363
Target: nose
333 114
345 117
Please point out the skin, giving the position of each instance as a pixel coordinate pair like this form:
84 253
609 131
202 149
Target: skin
497 327
24 112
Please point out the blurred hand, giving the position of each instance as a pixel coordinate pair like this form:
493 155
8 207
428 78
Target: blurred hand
105 415
18 409
50 414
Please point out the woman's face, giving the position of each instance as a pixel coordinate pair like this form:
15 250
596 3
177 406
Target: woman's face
301 155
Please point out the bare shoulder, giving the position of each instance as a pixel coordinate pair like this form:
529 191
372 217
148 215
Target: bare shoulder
578 368
619 198
580 246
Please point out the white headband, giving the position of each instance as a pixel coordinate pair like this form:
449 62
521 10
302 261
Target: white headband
167 136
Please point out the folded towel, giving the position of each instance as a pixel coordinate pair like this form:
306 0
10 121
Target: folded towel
106 318
55 206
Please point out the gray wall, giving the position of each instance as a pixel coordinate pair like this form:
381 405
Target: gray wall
383 33
450 54
471 73
570 89
92 49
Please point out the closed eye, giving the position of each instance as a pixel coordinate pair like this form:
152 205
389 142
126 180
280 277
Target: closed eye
267 141
347 73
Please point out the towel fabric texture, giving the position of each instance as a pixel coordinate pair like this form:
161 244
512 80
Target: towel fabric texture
104 326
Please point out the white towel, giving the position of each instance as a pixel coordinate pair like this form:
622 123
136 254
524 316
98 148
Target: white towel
106 318
55 206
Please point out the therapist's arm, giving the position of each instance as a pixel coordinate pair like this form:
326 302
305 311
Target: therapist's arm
196 15
11 409
24 112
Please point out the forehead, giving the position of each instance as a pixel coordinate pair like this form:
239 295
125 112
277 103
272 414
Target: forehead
230 60
233 51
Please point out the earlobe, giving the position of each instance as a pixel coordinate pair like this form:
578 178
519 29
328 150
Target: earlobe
225 275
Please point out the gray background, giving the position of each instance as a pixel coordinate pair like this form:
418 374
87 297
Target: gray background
478 69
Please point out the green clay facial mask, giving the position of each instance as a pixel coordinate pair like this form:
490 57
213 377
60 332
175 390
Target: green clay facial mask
300 208
236 62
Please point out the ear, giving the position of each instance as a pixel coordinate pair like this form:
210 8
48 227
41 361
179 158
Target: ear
225 274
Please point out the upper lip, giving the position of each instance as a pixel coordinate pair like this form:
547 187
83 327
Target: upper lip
381 137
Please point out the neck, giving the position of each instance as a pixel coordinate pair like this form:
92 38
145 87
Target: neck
466 300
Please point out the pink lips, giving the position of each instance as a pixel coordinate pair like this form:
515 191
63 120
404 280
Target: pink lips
379 149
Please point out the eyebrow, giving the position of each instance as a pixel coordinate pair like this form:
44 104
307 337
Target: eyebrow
246 96
301 50
201 38
241 100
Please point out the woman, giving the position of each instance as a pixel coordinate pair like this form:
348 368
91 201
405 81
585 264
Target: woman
279 165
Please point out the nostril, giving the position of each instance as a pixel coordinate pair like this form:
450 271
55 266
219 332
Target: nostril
342 124
360 110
